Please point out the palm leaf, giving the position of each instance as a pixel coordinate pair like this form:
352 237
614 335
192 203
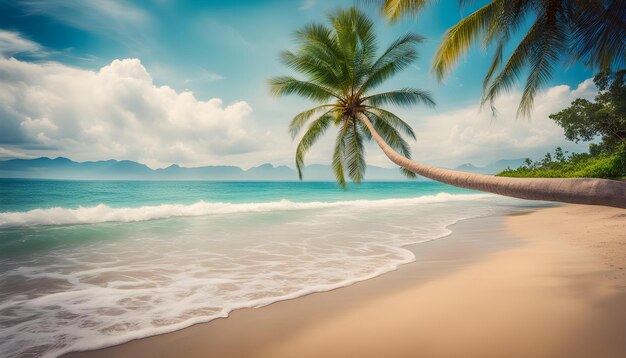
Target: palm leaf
314 65
391 137
459 38
599 34
354 156
393 120
286 85
364 130
403 97
513 66
545 54
389 134
315 130
321 36
407 173
393 10
495 64
300 119
338 160
396 57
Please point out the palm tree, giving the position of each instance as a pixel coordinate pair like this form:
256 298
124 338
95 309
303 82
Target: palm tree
589 31
342 68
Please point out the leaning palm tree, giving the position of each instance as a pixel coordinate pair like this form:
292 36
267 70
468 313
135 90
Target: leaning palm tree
589 31
342 66
342 69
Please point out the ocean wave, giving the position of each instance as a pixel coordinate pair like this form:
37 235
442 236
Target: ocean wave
107 293
103 213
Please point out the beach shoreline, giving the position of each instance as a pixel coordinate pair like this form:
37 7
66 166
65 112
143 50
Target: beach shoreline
521 285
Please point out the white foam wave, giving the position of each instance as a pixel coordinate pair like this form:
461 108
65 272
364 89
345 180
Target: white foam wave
152 281
103 213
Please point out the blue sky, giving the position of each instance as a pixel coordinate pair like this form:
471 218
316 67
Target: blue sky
227 50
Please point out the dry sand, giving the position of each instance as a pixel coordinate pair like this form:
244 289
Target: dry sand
551 283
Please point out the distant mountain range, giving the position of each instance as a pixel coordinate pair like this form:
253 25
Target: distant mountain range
63 168
493 168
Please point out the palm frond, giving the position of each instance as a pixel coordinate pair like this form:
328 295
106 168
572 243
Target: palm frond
300 119
319 35
495 64
513 66
366 42
407 173
392 137
507 18
589 31
344 28
394 10
402 43
315 130
389 134
402 97
338 160
286 85
545 54
318 43
364 130
599 34
320 71
354 156
393 120
459 38
396 57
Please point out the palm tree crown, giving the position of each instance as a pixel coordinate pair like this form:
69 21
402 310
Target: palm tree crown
342 68
589 31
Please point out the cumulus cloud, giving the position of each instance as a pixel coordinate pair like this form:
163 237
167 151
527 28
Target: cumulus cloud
115 112
471 135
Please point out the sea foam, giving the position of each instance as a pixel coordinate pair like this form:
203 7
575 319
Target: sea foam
103 213
159 276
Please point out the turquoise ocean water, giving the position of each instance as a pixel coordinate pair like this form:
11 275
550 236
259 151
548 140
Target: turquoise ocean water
88 264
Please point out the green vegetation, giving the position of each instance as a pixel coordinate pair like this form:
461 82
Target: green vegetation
342 68
577 165
604 119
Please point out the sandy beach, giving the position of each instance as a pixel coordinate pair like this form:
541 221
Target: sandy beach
547 283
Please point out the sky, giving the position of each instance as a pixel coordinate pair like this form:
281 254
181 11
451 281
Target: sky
163 82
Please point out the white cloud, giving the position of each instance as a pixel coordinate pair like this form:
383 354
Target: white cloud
115 112
586 89
453 137
11 154
13 43
471 135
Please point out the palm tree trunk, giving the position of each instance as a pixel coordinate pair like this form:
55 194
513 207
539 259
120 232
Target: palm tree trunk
567 190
